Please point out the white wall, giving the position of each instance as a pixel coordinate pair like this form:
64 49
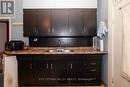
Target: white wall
59 3
17 30
102 6
10 71
102 15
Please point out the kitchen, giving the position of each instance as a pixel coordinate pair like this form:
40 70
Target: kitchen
64 47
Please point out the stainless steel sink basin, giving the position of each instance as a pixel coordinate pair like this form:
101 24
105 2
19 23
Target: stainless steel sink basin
59 50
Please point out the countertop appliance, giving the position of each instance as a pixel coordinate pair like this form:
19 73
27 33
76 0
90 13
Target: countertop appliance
14 45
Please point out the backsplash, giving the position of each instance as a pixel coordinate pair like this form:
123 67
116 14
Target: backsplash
60 42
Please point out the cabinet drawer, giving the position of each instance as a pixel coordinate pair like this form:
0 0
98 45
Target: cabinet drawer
93 80
93 70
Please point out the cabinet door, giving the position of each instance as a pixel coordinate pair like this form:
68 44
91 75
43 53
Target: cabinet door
75 22
43 22
90 22
58 72
29 19
76 72
60 22
41 72
25 72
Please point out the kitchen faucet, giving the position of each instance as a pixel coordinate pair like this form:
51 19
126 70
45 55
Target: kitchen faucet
60 43
60 49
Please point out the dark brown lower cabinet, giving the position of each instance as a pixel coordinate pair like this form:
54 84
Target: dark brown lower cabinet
54 70
25 70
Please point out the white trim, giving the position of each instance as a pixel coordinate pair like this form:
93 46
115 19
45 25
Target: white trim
125 76
59 4
123 73
17 24
9 20
110 43
125 5
116 2
4 18
10 71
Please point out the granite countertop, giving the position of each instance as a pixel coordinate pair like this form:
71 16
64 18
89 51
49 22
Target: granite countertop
56 50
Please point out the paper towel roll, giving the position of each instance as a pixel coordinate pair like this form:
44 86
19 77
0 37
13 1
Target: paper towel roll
101 45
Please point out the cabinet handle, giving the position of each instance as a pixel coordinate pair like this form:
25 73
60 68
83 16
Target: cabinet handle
30 66
71 66
70 29
49 30
93 70
51 66
36 31
52 29
84 29
83 24
47 66
93 63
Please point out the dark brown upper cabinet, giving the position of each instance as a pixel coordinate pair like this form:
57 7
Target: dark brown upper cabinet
43 22
30 20
60 22
75 22
90 22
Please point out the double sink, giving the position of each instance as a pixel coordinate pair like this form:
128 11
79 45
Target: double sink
53 50
59 50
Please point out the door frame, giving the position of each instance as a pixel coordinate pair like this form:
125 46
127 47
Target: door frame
8 21
111 11
110 43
